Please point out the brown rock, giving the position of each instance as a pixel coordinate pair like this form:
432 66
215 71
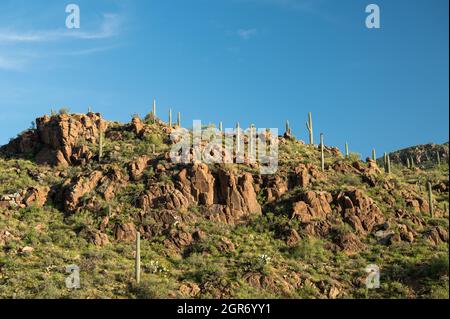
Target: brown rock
125 232
36 196
136 125
60 136
437 235
225 245
292 237
349 243
5 237
189 289
163 196
80 186
314 205
359 210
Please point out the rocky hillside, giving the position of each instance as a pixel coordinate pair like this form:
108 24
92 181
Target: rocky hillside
218 231
424 156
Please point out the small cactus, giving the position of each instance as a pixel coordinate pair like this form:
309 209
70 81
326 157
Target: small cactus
430 199
309 126
322 158
137 265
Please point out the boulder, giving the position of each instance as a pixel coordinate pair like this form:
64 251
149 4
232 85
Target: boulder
138 166
125 232
313 205
359 210
36 196
78 187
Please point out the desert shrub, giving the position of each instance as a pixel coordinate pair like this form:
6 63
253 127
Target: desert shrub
64 110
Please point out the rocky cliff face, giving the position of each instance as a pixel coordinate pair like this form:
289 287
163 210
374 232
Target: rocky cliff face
59 140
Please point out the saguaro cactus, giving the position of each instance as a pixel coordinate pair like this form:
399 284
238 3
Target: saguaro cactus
322 158
288 128
387 163
412 162
347 152
137 263
408 163
220 126
89 109
179 119
430 199
438 157
170 117
154 111
374 155
309 126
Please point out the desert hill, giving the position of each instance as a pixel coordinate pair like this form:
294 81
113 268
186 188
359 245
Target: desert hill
77 188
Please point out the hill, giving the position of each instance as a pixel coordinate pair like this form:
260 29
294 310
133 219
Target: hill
77 189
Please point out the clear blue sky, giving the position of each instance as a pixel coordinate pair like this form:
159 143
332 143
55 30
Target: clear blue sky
252 61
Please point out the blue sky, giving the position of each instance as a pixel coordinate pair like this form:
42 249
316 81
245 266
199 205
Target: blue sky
252 61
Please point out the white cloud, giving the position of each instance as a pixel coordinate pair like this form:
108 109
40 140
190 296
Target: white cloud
109 28
7 63
18 49
246 34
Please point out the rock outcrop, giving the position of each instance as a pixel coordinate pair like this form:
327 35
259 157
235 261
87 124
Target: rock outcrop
359 210
59 139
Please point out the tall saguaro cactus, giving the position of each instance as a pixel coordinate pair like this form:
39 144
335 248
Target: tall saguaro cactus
387 163
438 157
179 119
309 126
430 198
220 126
347 152
408 163
374 155
137 263
154 111
322 158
